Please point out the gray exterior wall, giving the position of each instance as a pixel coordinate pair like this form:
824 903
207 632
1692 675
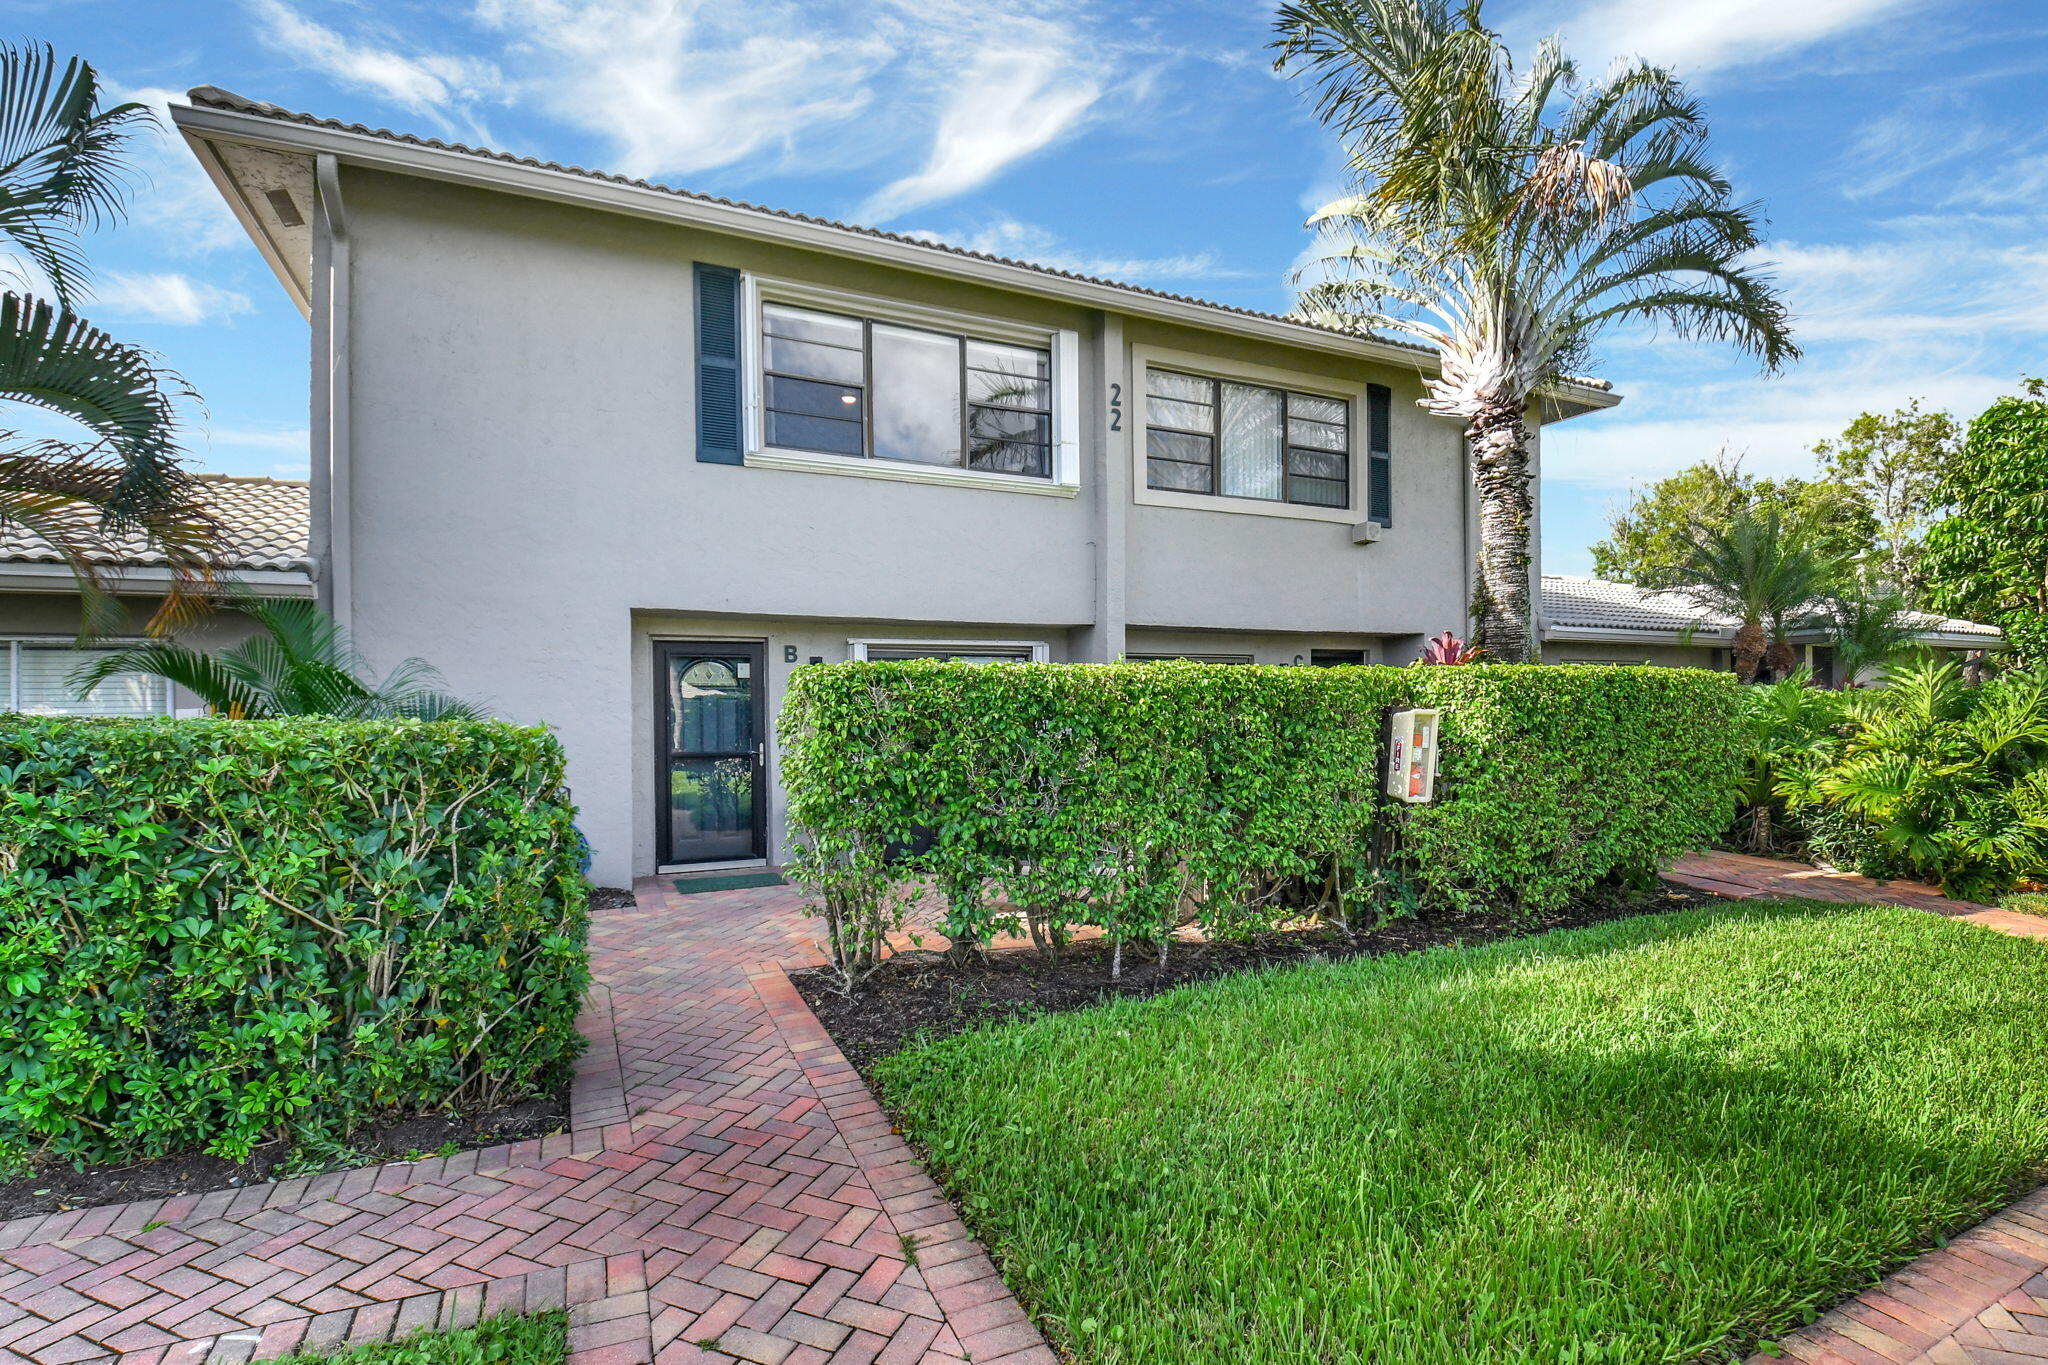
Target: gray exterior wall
524 508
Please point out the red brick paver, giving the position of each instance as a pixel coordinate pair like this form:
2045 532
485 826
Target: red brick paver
729 1191
1983 1298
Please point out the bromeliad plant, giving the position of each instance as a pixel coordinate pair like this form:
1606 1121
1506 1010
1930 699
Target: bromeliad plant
1505 218
1933 778
302 664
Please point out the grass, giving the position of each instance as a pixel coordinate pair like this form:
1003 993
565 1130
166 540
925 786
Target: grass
509 1339
1663 1139
2027 902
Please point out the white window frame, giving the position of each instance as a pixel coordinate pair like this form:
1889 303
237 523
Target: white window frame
11 645
857 650
1231 371
1062 345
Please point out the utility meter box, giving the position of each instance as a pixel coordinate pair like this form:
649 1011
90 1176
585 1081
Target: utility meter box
1411 757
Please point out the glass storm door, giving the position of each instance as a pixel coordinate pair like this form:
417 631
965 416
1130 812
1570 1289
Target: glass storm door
709 758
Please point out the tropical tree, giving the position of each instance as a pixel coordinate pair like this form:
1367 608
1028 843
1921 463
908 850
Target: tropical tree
1761 569
301 664
1870 626
1506 218
61 177
1987 559
1892 466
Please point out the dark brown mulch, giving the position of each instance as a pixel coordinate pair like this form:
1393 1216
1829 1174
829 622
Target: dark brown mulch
612 898
917 996
56 1188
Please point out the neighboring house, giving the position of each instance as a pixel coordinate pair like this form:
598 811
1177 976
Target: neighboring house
619 458
1593 621
262 532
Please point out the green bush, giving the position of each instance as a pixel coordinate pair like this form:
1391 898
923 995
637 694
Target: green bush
1932 778
215 932
1134 797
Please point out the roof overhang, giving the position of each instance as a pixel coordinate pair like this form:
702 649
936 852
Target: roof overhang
148 580
1705 637
225 139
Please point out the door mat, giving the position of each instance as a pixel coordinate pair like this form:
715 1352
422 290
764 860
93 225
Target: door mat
732 881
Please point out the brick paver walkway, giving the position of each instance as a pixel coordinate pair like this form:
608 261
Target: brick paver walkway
730 1190
1983 1298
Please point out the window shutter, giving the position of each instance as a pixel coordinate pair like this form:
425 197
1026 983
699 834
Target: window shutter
718 365
1379 430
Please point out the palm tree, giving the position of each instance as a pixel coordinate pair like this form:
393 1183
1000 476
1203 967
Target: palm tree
302 664
1870 627
1764 570
61 177
1505 219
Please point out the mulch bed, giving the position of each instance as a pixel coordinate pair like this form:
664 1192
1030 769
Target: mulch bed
55 1189
58 1188
919 996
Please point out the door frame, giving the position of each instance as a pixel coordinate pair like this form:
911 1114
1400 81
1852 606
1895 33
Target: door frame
756 652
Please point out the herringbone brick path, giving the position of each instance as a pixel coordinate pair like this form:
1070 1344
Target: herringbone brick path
730 1190
1983 1298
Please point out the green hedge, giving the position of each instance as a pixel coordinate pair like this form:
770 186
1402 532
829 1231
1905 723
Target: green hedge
1132 796
217 932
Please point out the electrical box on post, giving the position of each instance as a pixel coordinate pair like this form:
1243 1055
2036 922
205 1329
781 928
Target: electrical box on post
1411 756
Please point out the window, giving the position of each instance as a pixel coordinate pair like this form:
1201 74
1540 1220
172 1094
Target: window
1245 440
851 386
35 679
1335 658
1241 659
963 651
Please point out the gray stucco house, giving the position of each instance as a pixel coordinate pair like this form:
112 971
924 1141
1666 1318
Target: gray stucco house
1595 621
619 457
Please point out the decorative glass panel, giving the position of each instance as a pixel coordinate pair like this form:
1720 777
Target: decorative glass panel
1254 430
917 396
46 686
711 705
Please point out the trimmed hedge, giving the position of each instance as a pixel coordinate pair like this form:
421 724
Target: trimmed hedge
1132 796
216 932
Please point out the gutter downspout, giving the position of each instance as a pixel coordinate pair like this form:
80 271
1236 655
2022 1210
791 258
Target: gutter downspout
328 544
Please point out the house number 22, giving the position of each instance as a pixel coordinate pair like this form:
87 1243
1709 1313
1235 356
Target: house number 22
1116 407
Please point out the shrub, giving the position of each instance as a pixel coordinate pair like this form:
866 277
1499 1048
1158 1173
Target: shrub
1933 778
217 932
1136 796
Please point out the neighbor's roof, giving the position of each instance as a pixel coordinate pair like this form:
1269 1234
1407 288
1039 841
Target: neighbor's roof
1598 604
213 97
262 523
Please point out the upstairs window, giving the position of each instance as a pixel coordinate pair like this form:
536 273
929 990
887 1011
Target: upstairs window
1245 441
840 385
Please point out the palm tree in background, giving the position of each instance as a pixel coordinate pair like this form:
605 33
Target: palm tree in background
1870 626
1765 570
61 177
1505 218
301 663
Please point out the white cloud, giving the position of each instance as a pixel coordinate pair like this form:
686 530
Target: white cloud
1029 242
1698 36
429 83
162 297
1008 102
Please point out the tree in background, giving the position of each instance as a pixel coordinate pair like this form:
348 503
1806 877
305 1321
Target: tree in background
1987 559
1651 537
61 176
1765 570
1870 626
1892 465
1505 218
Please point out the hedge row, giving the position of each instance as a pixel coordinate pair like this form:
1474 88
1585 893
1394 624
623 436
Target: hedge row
1132 796
214 932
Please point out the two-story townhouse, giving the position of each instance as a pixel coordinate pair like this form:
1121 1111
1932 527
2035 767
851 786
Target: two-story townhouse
618 458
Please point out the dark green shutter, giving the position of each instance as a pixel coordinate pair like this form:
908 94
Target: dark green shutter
1379 460
718 365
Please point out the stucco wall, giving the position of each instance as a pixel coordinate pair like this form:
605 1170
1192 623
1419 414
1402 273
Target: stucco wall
1667 656
525 498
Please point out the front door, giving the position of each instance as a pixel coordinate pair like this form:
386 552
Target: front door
710 795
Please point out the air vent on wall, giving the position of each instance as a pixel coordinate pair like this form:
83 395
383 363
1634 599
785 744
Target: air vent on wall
287 212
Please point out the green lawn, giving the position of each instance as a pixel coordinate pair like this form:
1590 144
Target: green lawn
1657 1140
2029 902
537 1339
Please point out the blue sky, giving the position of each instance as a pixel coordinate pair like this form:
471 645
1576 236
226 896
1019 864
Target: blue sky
1899 147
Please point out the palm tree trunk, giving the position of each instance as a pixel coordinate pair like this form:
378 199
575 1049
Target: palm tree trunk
1781 659
1500 474
1747 650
